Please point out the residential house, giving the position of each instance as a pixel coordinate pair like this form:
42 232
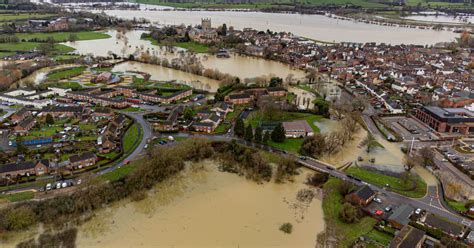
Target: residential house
452 229
23 168
25 125
362 196
408 237
82 160
401 216
20 115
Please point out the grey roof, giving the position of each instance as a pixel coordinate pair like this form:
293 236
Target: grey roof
402 214
81 157
444 225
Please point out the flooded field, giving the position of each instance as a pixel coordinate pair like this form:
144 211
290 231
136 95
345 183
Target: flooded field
317 27
208 208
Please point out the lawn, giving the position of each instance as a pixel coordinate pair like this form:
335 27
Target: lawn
67 85
132 109
190 45
30 46
44 131
66 73
23 16
380 237
458 206
332 204
119 172
222 128
132 138
290 145
396 184
65 57
22 196
62 36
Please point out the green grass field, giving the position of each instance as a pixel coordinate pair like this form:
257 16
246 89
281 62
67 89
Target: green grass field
332 205
30 46
190 45
22 196
66 73
130 138
63 36
256 117
396 184
8 17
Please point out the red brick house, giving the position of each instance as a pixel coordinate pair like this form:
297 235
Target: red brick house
362 196
13 170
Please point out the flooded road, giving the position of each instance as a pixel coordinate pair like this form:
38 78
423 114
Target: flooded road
208 208
317 27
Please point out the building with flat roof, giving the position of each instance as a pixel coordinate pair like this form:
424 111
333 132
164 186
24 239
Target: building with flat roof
447 120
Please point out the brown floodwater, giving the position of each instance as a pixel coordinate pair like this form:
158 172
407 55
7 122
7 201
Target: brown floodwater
317 27
208 208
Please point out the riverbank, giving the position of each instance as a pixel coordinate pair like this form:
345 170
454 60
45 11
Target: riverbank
190 193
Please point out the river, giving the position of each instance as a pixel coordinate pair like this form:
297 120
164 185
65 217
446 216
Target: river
208 208
317 27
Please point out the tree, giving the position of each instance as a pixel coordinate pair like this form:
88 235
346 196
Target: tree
278 133
258 136
314 146
345 188
276 82
349 213
286 228
239 128
321 107
73 37
266 137
249 133
370 142
49 119
426 155
317 179
188 113
19 218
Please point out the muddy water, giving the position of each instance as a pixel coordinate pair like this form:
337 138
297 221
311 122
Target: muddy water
207 208
161 73
312 26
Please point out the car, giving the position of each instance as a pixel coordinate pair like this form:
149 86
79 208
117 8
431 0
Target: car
48 186
378 212
302 157
64 185
58 185
329 167
418 211
388 209
79 181
145 146
127 162
377 200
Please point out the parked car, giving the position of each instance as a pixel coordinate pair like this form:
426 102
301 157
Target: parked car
48 186
418 211
64 185
58 185
377 200
388 209
302 157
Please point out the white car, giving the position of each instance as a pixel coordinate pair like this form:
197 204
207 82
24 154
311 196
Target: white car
58 185
64 185
48 186
418 211
377 200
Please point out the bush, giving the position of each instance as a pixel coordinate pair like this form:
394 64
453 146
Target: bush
317 179
286 228
349 214
20 218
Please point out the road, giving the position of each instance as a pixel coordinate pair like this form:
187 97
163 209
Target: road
449 167
431 202
147 135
